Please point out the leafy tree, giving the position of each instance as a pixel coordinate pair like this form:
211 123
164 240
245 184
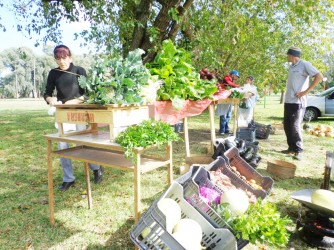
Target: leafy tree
250 36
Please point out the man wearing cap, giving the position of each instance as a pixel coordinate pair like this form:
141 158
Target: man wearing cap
224 111
298 86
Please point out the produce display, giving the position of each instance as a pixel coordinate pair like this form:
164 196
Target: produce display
114 80
249 217
260 223
321 131
180 80
205 74
145 134
224 183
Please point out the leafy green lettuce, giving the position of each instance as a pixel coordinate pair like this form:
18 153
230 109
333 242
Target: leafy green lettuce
116 80
180 80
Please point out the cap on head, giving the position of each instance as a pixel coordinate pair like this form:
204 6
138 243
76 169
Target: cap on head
251 78
294 51
234 72
61 51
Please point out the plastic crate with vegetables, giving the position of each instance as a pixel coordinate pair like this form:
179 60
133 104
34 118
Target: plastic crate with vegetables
247 173
172 223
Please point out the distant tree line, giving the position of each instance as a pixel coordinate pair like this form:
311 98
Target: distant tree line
24 74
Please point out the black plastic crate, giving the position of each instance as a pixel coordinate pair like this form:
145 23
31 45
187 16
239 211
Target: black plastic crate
262 131
247 134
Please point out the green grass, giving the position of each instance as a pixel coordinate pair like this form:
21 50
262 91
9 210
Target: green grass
24 208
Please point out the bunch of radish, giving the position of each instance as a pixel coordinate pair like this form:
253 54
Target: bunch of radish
205 74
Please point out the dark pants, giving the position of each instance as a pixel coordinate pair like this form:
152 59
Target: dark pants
293 118
224 120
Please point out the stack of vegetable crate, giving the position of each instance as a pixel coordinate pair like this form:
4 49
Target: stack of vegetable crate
217 233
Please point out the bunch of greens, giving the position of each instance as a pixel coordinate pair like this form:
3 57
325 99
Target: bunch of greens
260 223
236 94
180 80
145 134
116 80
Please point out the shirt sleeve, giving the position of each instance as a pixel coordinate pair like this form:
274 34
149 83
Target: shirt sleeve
50 86
310 69
227 79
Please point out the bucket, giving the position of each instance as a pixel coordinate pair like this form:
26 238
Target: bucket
281 169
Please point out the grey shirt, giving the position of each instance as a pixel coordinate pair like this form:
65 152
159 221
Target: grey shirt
298 80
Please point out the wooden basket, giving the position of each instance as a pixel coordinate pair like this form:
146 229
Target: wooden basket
281 169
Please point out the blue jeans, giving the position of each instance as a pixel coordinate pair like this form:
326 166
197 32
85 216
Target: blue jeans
224 120
67 163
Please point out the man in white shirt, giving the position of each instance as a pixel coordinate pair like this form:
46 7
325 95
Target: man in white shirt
298 86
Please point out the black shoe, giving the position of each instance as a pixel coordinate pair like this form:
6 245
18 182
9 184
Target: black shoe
287 151
65 186
98 174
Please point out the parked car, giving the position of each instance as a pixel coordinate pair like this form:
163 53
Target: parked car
320 105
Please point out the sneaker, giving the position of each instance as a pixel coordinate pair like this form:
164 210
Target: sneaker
298 156
65 186
287 151
98 174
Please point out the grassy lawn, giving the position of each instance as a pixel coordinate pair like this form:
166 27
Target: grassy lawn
24 208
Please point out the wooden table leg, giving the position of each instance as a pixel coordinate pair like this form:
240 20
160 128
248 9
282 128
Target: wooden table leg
137 191
186 136
212 126
50 183
89 192
170 165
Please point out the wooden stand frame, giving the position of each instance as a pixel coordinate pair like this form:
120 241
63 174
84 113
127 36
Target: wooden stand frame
97 148
233 101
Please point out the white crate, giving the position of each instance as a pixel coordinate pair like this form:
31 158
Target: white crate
154 221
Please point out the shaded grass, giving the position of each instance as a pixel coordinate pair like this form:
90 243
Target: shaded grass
24 209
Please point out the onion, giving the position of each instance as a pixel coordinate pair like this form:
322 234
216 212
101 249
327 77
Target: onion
189 229
237 200
172 211
186 241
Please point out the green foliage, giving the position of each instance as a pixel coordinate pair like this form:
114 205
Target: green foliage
260 223
180 80
116 80
144 134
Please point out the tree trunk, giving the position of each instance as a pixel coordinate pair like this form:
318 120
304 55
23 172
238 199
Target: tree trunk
142 15
282 97
164 25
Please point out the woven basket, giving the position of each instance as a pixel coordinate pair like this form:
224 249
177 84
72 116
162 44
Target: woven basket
281 169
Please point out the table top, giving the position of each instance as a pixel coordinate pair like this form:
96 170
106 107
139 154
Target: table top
98 139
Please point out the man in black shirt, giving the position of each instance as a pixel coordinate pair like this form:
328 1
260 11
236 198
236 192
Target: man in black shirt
65 80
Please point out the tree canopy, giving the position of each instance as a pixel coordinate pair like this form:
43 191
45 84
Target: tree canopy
250 36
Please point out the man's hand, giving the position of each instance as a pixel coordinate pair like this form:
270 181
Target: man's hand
300 94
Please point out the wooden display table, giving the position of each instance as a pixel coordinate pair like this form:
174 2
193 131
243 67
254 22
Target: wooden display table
118 117
96 148
233 101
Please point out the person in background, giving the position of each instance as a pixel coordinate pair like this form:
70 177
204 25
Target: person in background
224 111
246 109
298 86
65 80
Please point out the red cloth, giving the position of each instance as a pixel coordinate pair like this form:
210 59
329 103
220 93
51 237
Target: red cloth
164 110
